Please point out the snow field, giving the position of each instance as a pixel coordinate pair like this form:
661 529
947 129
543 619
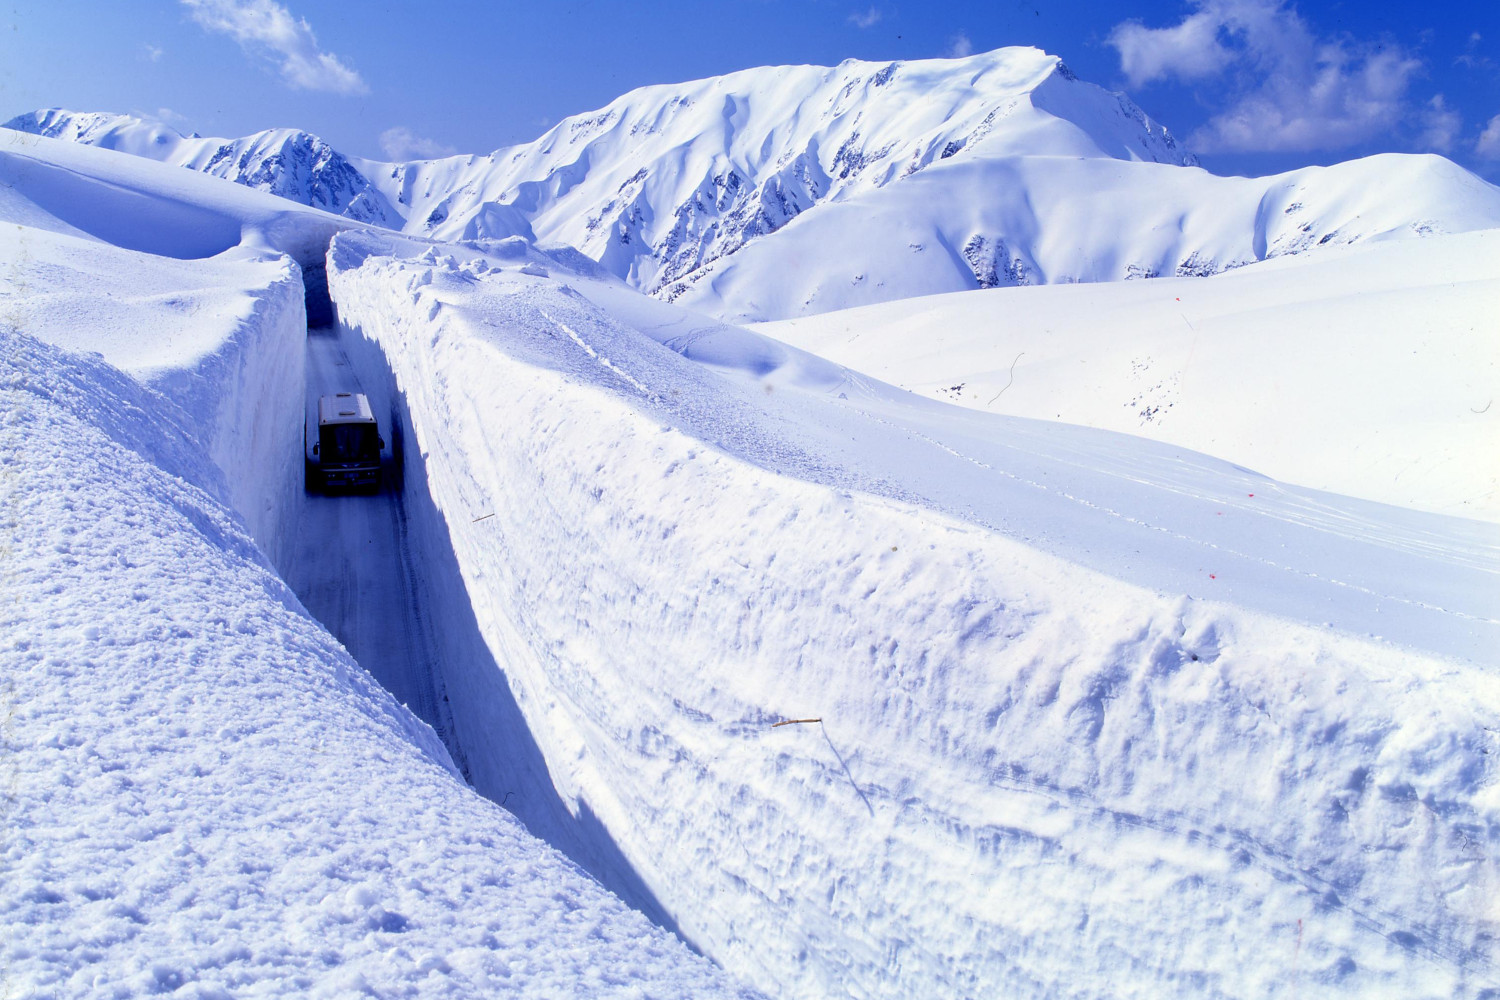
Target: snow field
1029 778
1367 370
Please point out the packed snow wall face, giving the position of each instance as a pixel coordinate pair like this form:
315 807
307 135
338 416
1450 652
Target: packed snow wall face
1025 779
247 397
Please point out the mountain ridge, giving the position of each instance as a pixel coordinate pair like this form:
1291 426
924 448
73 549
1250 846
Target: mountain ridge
1002 168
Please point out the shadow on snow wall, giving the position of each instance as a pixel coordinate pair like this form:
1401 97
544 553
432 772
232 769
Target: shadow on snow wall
476 713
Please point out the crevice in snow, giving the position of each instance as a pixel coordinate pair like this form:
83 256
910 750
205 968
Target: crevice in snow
421 639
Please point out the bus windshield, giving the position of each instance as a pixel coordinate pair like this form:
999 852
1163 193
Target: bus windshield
349 443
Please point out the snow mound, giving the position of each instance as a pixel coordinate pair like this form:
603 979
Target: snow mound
1031 742
1367 371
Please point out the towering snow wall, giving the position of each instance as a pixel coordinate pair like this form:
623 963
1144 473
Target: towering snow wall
192 285
1026 778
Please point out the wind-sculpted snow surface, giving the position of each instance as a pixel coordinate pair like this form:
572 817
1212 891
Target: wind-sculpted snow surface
790 190
204 795
1031 775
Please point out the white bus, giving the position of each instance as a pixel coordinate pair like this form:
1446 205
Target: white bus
343 451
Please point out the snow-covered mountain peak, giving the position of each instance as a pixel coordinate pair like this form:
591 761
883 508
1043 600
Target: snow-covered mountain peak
668 178
286 162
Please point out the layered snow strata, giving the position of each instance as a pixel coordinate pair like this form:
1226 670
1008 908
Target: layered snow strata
1027 778
204 795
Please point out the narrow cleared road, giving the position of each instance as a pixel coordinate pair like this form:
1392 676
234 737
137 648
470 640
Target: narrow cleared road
352 567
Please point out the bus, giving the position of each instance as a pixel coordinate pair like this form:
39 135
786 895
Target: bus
343 451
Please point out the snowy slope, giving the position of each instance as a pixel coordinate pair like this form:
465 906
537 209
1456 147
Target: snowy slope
179 280
1369 371
1082 730
284 162
1047 220
205 795
782 191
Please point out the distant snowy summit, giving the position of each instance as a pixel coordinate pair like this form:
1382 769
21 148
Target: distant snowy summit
286 162
789 190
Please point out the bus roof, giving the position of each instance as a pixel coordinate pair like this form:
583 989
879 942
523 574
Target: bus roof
344 408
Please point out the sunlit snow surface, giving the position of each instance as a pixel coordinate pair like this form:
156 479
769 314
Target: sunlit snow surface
783 191
1372 371
1083 728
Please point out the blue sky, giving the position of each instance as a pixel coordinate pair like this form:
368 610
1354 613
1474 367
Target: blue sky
1253 86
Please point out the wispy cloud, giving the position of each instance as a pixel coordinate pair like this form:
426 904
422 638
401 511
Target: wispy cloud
1471 58
1440 126
1488 145
867 19
959 46
152 53
1289 90
267 30
401 143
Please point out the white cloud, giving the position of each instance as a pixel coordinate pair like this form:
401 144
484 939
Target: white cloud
960 46
152 53
1191 50
1440 126
1488 145
401 143
1288 89
268 30
868 19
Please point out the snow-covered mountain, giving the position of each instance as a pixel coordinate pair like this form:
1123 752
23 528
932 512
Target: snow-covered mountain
281 161
852 184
